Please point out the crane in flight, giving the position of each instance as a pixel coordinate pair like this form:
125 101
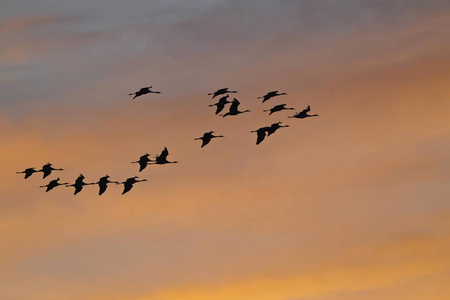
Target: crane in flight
207 137
270 95
144 91
234 109
128 184
304 114
221 92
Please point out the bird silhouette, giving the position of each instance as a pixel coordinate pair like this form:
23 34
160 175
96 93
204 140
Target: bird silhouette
79 184
279 107
143 161
47 169
52 184
162 158
261 134
28 172
267 131
103 184
270 95
206 138
234 109
303 114
221 92
128 184
221 104
143 91
274 127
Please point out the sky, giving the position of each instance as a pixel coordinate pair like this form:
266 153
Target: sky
351 205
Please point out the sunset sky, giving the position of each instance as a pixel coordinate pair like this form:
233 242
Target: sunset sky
351 205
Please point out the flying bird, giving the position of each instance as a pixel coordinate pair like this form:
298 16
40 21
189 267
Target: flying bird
79 184
267 131
28 172
103 184
221 92
221 104
270 95
279 107
206 138
234 109
143 161
261 134
128 184
303 114
162 158
47 169
143 91
52 184
274 127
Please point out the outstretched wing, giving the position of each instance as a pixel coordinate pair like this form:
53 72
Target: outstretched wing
78 189
142 165
103 187
234 105
220 107
205 141
261 133
305 110
164 154
127 186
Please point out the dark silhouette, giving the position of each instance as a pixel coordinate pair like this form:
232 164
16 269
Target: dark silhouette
206 138
47 169
79 184
143 91
103 184
221 92
279 107
261 134
128 184
162 158
234 109
143 161
304 114
270 95
221 104
274 127
52 184
28 172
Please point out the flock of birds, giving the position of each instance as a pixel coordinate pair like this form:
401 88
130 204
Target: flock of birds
161 159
